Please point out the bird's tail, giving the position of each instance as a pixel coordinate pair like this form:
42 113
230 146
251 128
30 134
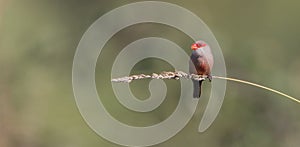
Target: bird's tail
197 88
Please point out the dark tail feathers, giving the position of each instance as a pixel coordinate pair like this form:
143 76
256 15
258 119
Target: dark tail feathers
197 88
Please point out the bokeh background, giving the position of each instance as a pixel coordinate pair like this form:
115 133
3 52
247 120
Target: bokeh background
38 39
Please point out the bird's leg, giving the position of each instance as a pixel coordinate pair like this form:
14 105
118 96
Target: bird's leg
209 77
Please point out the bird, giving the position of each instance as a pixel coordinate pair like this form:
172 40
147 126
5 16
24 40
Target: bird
201 63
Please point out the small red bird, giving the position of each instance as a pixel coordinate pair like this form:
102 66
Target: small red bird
201 63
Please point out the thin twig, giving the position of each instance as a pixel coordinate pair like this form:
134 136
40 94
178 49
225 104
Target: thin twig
164 75
260 86
179 74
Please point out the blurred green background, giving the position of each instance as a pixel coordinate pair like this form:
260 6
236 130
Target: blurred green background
38 39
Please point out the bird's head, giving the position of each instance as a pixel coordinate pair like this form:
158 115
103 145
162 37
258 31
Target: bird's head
198 45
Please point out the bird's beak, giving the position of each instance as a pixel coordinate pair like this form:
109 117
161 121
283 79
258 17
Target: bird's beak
194 46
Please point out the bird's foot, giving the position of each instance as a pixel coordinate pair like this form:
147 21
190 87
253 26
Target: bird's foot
209 77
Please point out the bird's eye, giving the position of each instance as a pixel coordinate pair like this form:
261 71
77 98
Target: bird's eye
202 45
